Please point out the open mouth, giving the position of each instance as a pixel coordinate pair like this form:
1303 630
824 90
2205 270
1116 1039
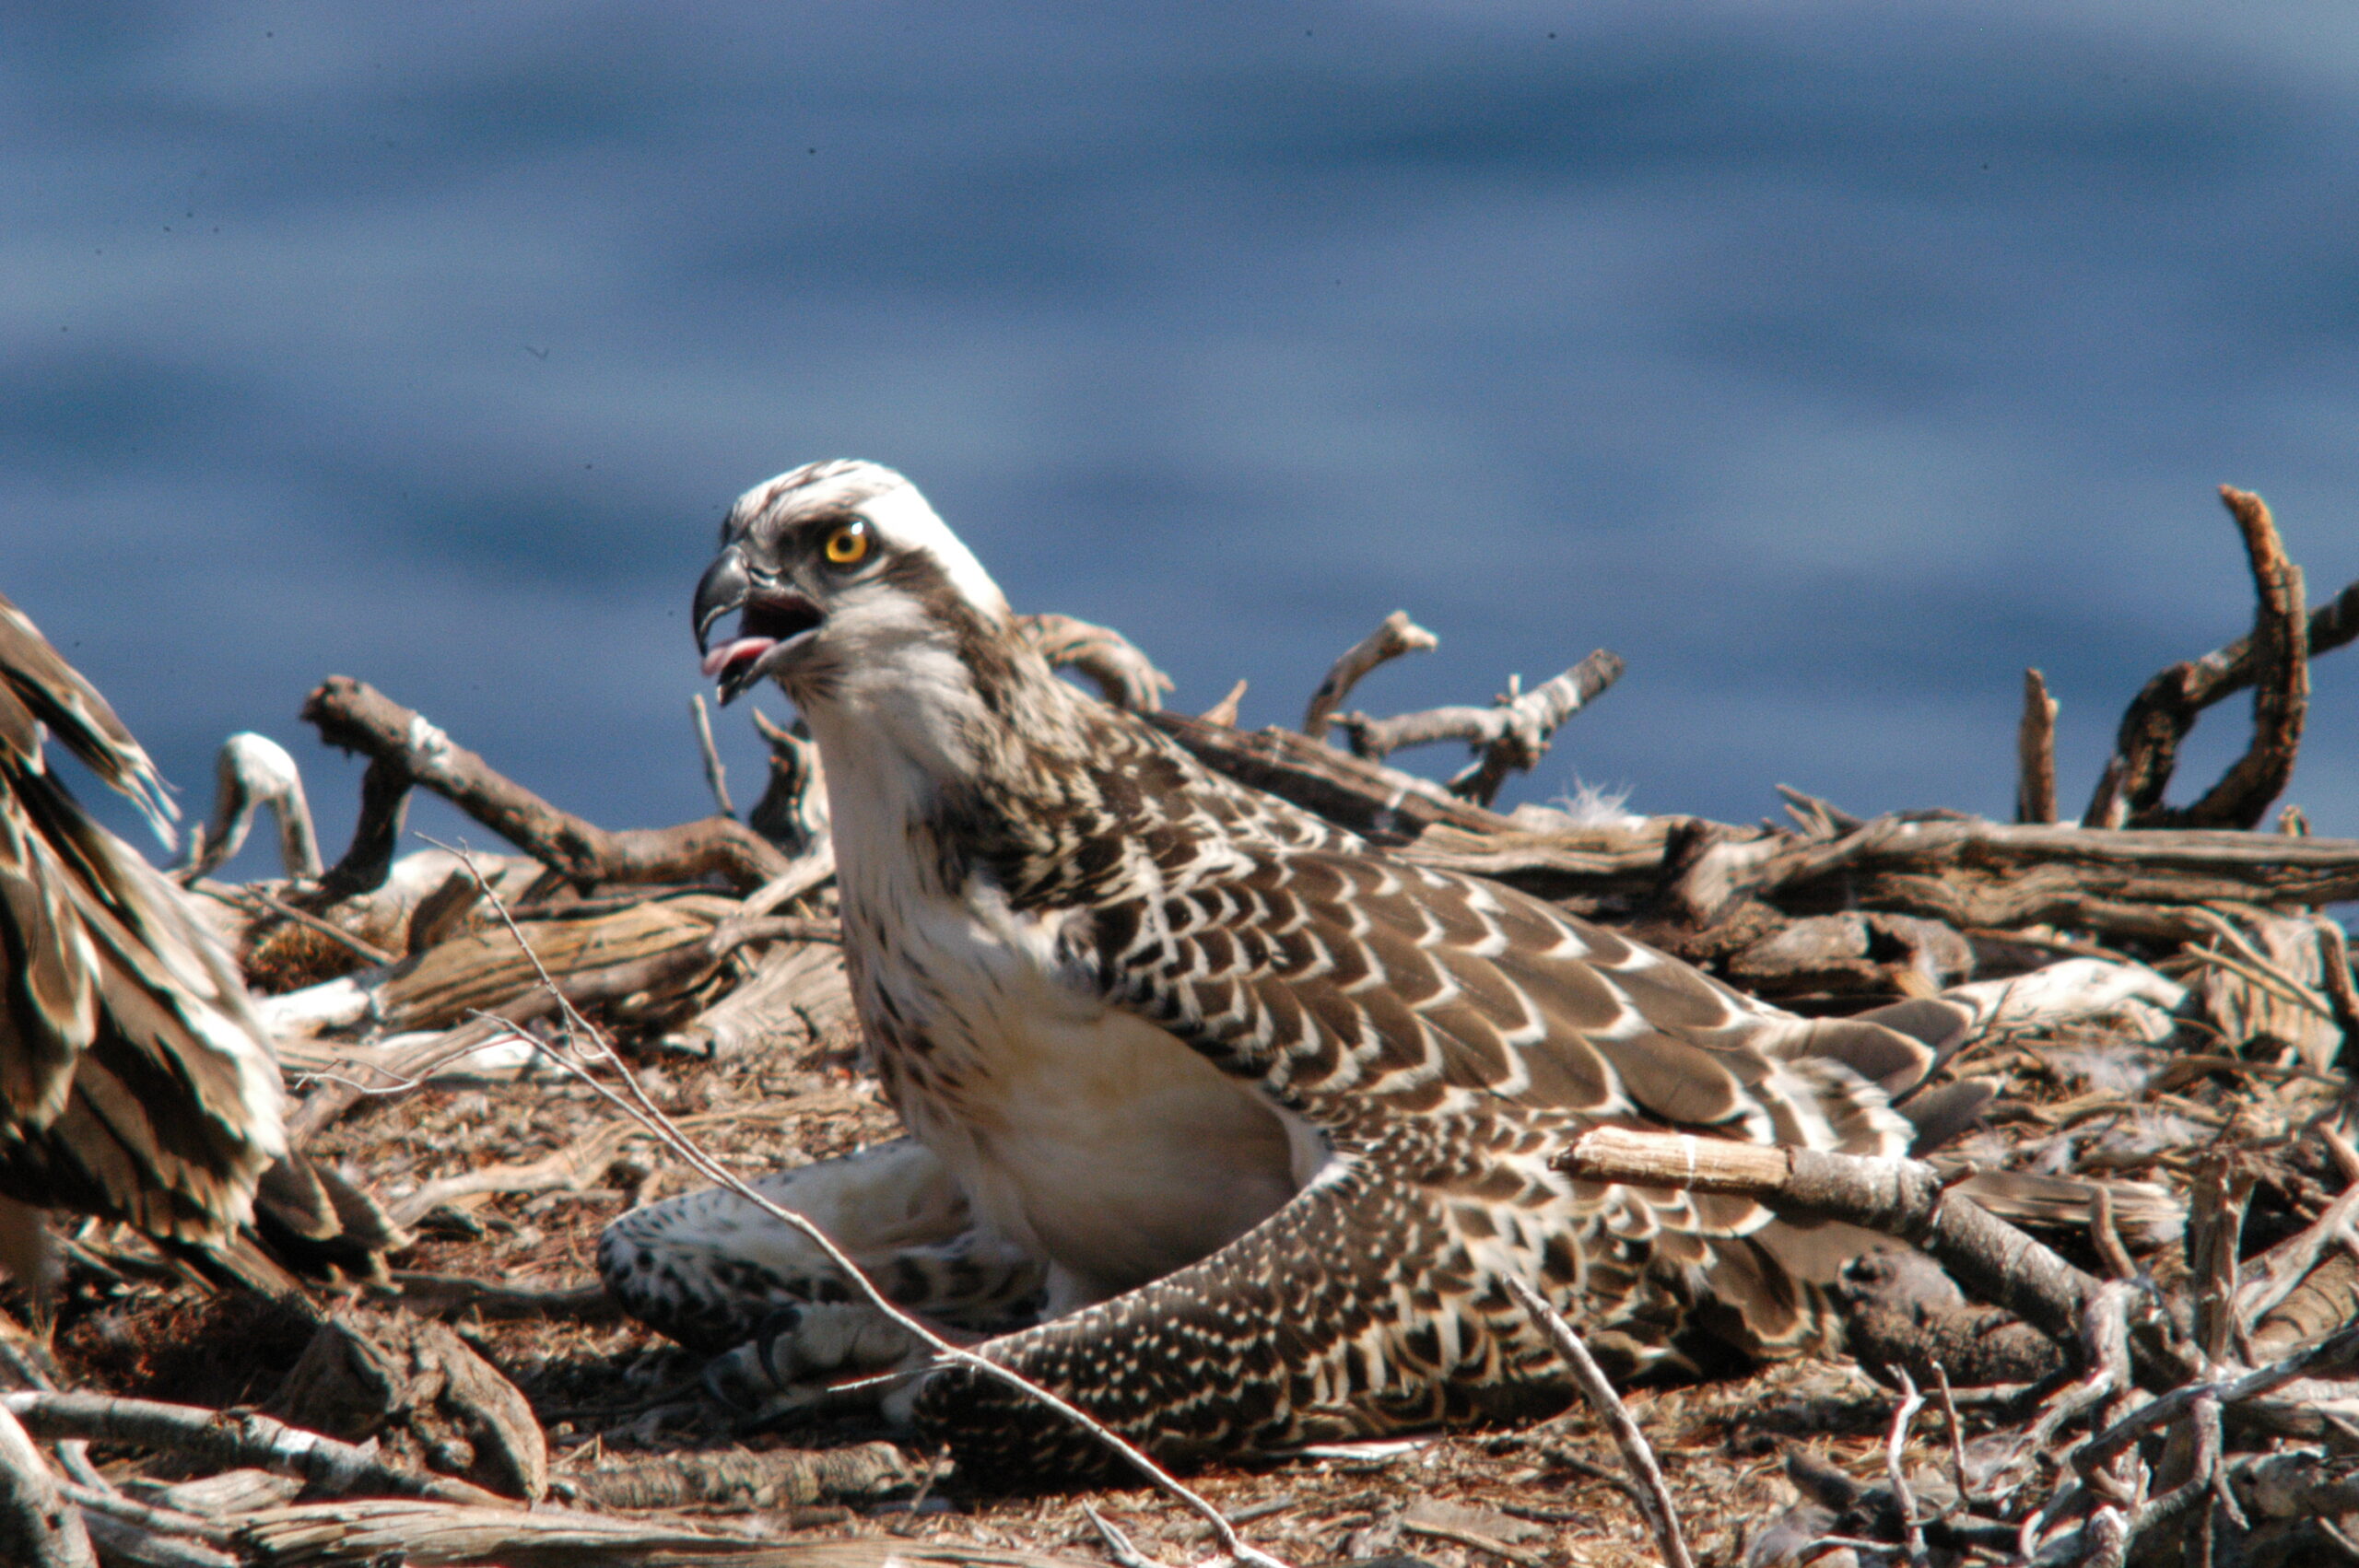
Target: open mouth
771 618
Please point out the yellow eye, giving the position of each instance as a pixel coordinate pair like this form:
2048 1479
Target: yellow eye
847 546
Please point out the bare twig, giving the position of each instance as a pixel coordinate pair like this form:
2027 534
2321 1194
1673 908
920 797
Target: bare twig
2035 752
1438 1530
1118 1544
1661 1517
2282 679
1511 735
1366 797
1895 1468
2105 1239
715 773
2334 1353
1127 677
1956 1430
634 1101
1397 636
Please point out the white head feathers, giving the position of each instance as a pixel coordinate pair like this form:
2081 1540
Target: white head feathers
890 503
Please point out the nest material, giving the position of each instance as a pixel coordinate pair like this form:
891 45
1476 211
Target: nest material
2157 995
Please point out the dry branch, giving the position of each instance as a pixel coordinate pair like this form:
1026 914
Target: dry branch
2274 656
357 717
37 1528
436 1536
1127 676
252 772
1898 1197
2035 752
1661 1517
1379 801
716 775
2280 656
1510 736
777 1477
1397 636
231 1438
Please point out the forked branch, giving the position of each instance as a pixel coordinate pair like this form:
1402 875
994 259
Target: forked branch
1510 736
2275 658
404 749
1397 636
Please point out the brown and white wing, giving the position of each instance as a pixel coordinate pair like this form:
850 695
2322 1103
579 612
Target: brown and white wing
39 687
1366 994
1345 981
135 1079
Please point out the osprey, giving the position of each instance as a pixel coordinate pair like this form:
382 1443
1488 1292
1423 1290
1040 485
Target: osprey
1244 1119
135 1082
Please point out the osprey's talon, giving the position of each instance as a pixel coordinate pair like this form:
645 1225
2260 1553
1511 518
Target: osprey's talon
802 1356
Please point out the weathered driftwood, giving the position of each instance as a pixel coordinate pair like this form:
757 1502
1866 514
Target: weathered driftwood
2035 752
2275 657
252 772
1127 677
793 812
1510 736
1972 873
1379 801
357 717
124 1528
736 1479
37 1528
437 1536
402 1070
417 1389
796 991
230 1438
1899 1197
231 1491
483 968
1396 636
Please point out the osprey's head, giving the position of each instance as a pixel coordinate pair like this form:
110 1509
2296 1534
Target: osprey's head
835 568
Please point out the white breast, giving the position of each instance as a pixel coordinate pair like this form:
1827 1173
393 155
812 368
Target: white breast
1086 1134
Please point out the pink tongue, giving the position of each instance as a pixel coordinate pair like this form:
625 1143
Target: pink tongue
745 648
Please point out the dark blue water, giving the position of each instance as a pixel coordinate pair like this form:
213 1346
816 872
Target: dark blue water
1830 362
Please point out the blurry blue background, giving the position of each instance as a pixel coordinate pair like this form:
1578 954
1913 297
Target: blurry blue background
1831 362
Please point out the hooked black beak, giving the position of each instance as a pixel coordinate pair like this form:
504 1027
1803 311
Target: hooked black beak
773 615
726 583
